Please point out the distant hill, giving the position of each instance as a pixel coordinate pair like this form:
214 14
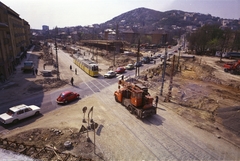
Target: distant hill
152 19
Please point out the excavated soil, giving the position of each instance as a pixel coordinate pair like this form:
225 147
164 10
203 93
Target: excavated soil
201 93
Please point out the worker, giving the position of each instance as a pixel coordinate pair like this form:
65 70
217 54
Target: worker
70 67
36 71
145 77
156 101
122 77
76 71
72 81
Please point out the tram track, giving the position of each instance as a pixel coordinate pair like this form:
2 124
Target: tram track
178 146
146 138
162 143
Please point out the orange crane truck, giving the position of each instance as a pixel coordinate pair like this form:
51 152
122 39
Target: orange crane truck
135 98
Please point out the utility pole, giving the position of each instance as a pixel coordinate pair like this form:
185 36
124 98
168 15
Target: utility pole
116 45
58 77
137 67
179 49
169 95
164 69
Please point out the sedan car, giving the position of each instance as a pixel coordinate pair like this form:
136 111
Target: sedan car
16 113
129 67
67 96
154 57
110 74
146 60
120 70
138 64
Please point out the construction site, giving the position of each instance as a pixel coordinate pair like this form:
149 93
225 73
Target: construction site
203 90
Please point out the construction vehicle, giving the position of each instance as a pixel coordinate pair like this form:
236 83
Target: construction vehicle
28 66
233 67
135 98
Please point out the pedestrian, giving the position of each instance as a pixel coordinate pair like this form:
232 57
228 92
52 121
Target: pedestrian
70 67
44 66
156 101
72 81
36 71
33 71
122 77
145 77
76 71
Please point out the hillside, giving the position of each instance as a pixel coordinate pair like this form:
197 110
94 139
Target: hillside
148 18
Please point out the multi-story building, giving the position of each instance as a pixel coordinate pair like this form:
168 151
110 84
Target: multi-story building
45 28
14 39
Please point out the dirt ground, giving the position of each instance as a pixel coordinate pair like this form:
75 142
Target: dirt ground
201 93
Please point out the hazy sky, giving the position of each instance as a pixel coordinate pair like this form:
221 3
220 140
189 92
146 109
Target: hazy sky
65 13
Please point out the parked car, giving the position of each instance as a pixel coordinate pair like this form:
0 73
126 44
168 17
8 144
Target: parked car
162 56
138 64
16 113
146 60
154 57
110 74
129 67
67 96
120 70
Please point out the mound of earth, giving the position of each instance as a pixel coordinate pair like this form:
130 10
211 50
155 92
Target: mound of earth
201 93
206 95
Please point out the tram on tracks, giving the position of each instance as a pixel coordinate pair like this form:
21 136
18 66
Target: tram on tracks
88 66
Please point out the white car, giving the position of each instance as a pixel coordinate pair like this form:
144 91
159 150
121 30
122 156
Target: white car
129 67
110 74
16 113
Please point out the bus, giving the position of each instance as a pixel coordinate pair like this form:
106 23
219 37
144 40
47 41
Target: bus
88 66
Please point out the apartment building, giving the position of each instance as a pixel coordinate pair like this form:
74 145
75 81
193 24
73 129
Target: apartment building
14 39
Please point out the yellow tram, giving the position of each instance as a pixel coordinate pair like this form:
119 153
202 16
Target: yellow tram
88 66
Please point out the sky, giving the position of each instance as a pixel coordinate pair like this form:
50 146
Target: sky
68 13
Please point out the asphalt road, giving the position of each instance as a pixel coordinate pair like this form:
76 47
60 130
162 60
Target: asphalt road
84 84
164 136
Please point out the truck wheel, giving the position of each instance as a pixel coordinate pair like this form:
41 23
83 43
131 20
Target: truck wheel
131 110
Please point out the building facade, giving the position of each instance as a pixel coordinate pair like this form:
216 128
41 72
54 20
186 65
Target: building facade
14 40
